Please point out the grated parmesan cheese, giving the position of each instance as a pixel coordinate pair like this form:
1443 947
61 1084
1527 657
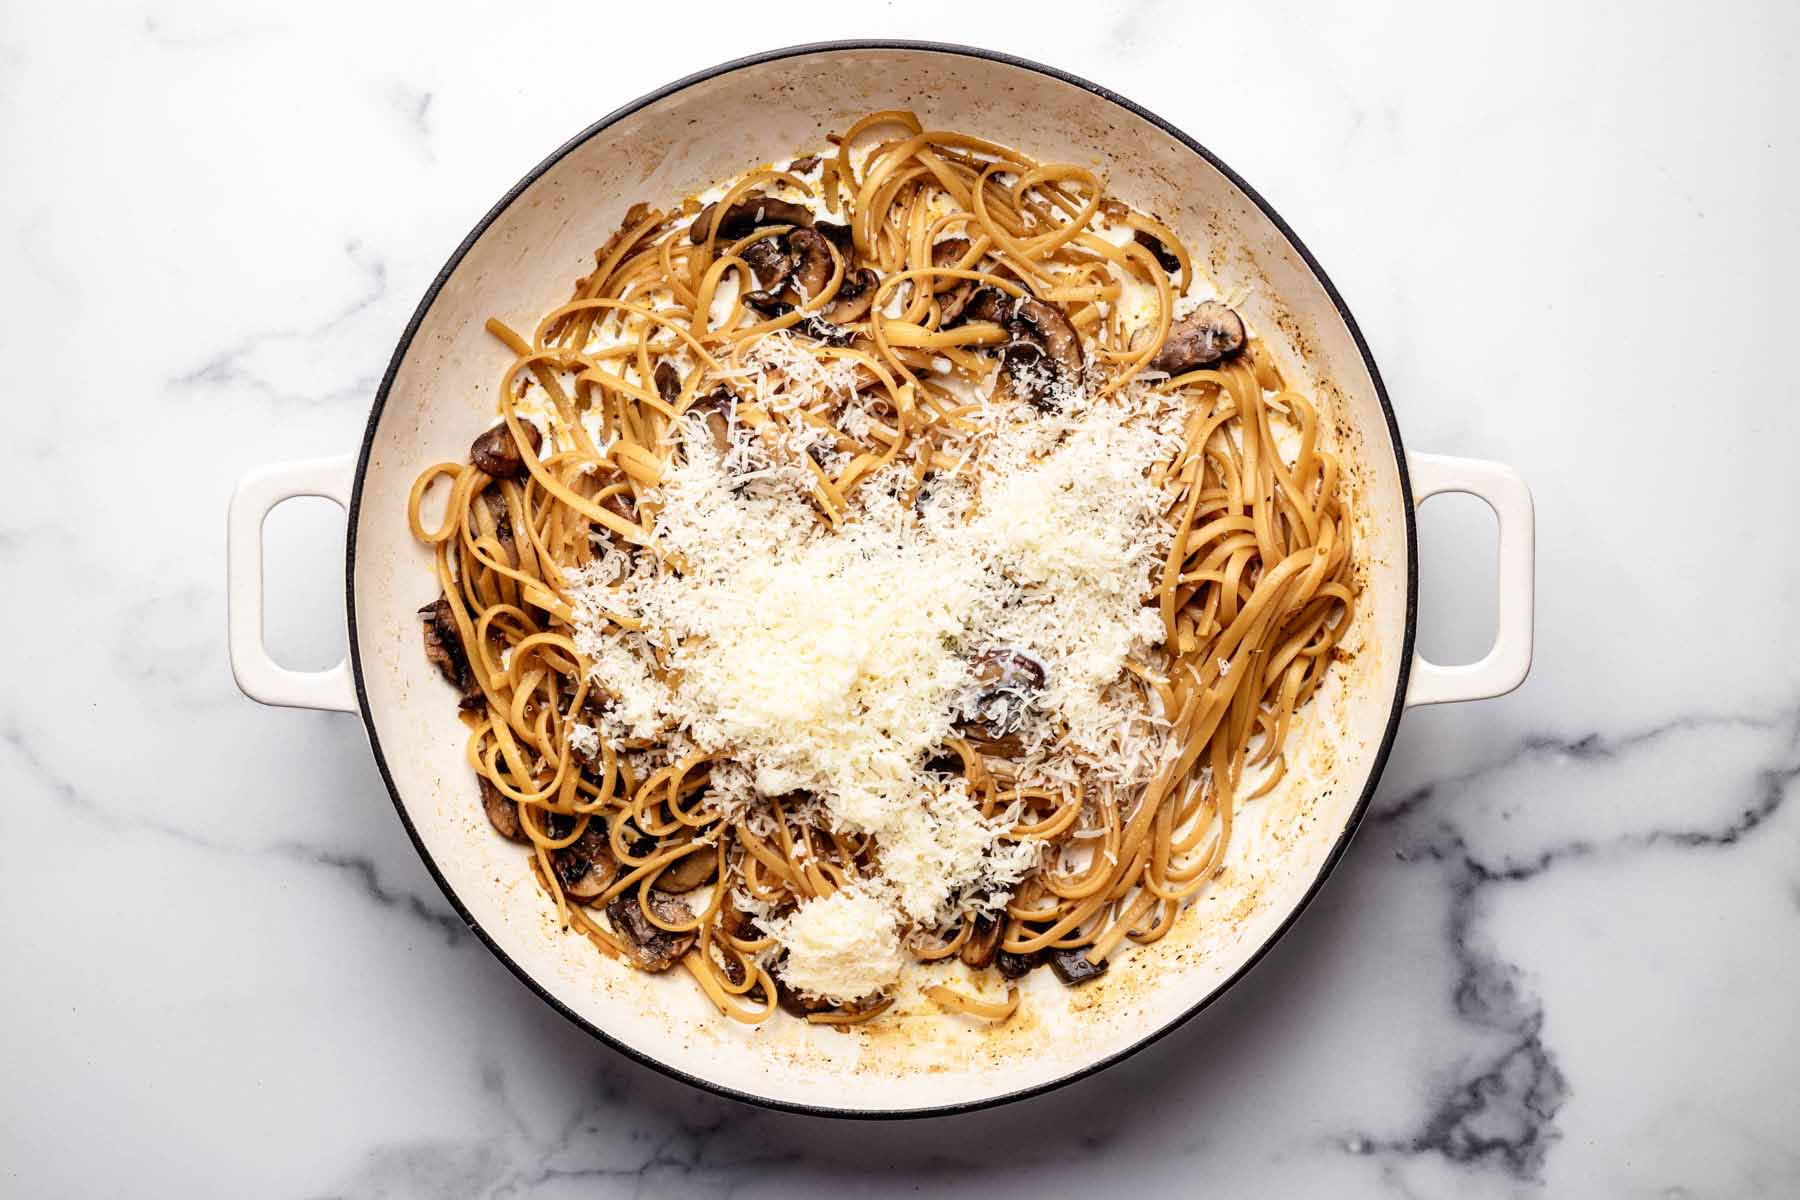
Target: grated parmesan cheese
839 948
834 661
932 857
584 740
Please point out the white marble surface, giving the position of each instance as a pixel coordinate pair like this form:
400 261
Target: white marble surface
1560 959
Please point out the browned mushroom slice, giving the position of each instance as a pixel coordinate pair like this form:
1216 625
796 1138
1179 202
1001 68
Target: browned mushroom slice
1015 966
771 259
926 493
652 948
983 943
1006 681
715 409
1054 331
798 1004
687 874
953 293
749 213
1073 967
502 813
812 263
944 761
621 505
1165 258
767 304
729 962
1205 336
737 923
495 452
838 235
586 867
496 504
954 302
854 296
819 329
802 166
444 648
1044 356
668 382
982 303
948 253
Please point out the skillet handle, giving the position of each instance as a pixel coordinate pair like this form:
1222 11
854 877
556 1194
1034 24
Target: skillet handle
1504 666
259 676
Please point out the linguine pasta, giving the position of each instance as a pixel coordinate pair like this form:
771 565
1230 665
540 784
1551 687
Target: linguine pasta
885 347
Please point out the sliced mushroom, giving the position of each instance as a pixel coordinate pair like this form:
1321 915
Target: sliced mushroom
1016 966
749 213
1050 327
496 505
1208 334
954 303
732 965
586 867
1006 681
1044 350
838 235
819 329
502 813
812 263
796 1003
766 303
496 454
925 493
1165 258
853 298
715 409
771 259
652 948
687 873
945 761
983 943
737 923
444 648
948 253
1073 967
620 504
668 382
981 303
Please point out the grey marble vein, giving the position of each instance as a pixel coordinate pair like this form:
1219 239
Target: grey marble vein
1769 791
238 366
1502 1112
1562 957
363 871
413 105
197 36
360 869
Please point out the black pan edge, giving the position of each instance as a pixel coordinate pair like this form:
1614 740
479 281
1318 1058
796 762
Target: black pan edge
1406 649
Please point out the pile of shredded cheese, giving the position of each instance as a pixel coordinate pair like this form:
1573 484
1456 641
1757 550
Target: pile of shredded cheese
834 661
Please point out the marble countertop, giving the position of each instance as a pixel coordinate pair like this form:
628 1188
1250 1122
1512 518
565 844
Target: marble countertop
1563 955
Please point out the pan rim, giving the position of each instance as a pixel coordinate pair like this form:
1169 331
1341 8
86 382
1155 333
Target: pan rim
1332 857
